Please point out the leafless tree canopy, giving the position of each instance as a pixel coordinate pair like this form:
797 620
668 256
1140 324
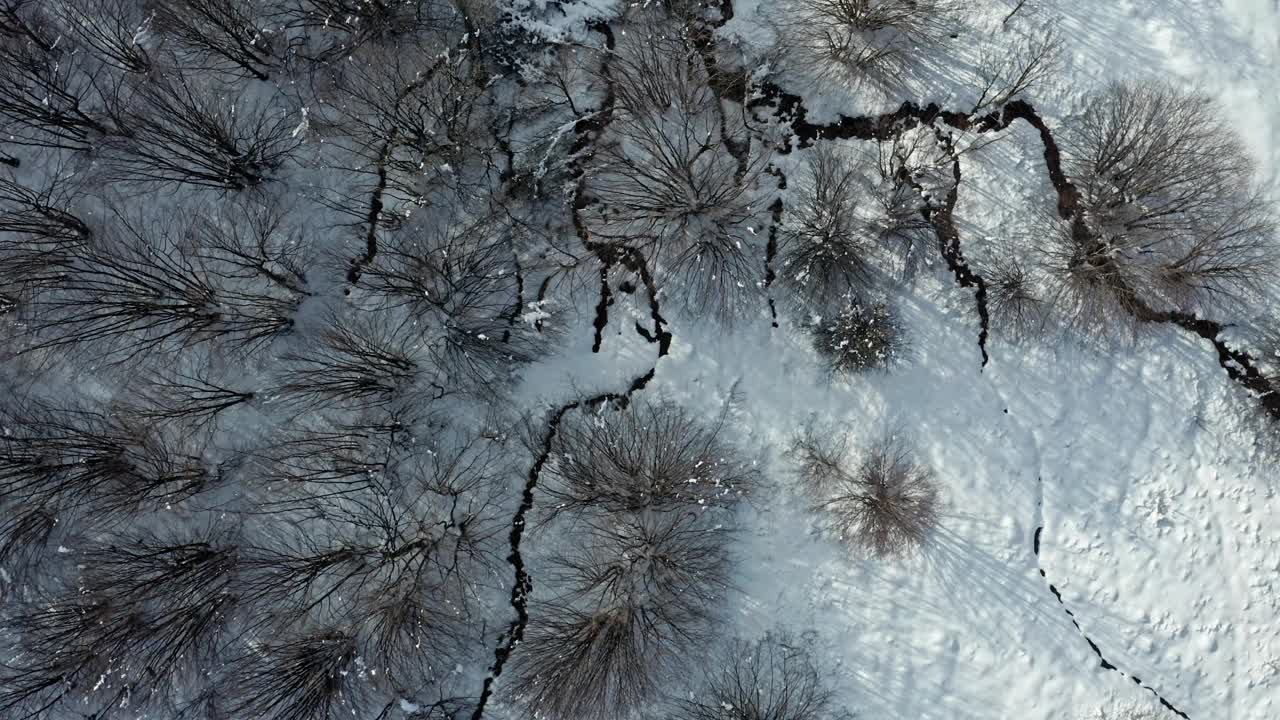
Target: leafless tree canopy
361 360
877 497
185 131
221 34
334 27
1013 298
456 280
112 31
1172 220
146 286
69 458
1012 71
773 678
635 598
681 179
640 500
652 455
861 41
145 612
852 209
54 98
826 246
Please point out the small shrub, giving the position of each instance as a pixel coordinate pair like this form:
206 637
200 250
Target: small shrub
879 499
1012 300
861 336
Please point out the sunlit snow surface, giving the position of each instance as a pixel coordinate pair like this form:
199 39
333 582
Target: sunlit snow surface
1142 461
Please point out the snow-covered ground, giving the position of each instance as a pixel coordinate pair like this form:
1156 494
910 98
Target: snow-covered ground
1142 462
1110 534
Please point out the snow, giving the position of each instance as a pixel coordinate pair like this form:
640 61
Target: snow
1152 478
1140 459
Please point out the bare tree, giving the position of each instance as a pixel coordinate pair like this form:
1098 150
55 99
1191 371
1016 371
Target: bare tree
457 280
859 336
877 498
361 360
145 610
639 595
1009 72
824 244
1013 298
255 241
652 455
112 463
230 34
183 132
866 40
43 217
192 399
56 99
772 678
910 166
145 288
397 542
26 21
26 533
422 101
1169 218
340 26
680 181
305 674
115 32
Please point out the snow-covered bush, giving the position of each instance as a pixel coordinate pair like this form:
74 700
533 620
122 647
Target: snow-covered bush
773 678
652 455
878 497
861 336
1170 217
